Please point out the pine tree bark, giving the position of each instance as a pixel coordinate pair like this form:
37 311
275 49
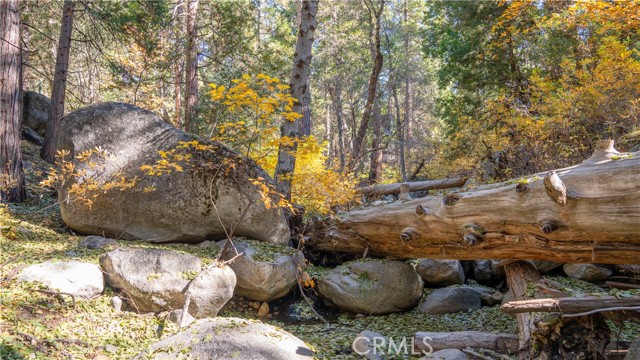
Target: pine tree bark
376 12
58 90
298 89
11 175
178 69
191 96
375 169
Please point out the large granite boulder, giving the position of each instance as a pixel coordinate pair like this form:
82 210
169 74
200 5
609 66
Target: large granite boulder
229 338
371 287
36 111
83 280
264 272
192 205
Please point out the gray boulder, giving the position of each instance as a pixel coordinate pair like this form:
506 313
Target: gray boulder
545 266
371 287
97 242
446 354
210 290
35 114
229 338
153 279
633 353
486 272
587 272
189 205
264 272
451 300
439 273
82 280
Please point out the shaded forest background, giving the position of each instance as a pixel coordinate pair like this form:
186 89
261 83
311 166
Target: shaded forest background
491 89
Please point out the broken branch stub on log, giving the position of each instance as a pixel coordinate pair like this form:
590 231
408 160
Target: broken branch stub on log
395 189
597 222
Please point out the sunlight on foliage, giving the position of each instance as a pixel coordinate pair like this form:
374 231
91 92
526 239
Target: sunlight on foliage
83 178
257 104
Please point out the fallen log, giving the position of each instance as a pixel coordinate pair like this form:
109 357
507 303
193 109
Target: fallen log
572 305
553 336
394 189
585 213
426 341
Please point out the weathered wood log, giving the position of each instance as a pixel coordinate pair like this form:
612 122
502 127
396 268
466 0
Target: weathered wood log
423 341
394 189
544 336
588 213
571 305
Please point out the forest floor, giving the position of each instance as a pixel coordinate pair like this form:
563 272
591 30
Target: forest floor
40 325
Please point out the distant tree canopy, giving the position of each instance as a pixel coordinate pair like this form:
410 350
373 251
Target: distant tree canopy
492 89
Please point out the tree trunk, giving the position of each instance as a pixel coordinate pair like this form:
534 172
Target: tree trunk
191 86
399 133
59 88
336 99
394 189
178 69
586 213
376 13
11 176
375 170
298 88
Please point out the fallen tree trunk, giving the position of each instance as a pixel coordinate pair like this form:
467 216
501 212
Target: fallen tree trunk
426 341
394 189
572 305
585 213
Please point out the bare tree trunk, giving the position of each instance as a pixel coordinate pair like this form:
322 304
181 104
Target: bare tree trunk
191 96
407 88
376 12
585 213
59 88
399 133
340 124
375 170
11 176
178 69
298 88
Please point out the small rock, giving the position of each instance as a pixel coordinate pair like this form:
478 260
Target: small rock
83 280
485 272
447 354
111 348
97 242
176 315
439 273
371 345
116 303
545 266
359 316
263 310
587 272
101 357
451 300
633 353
